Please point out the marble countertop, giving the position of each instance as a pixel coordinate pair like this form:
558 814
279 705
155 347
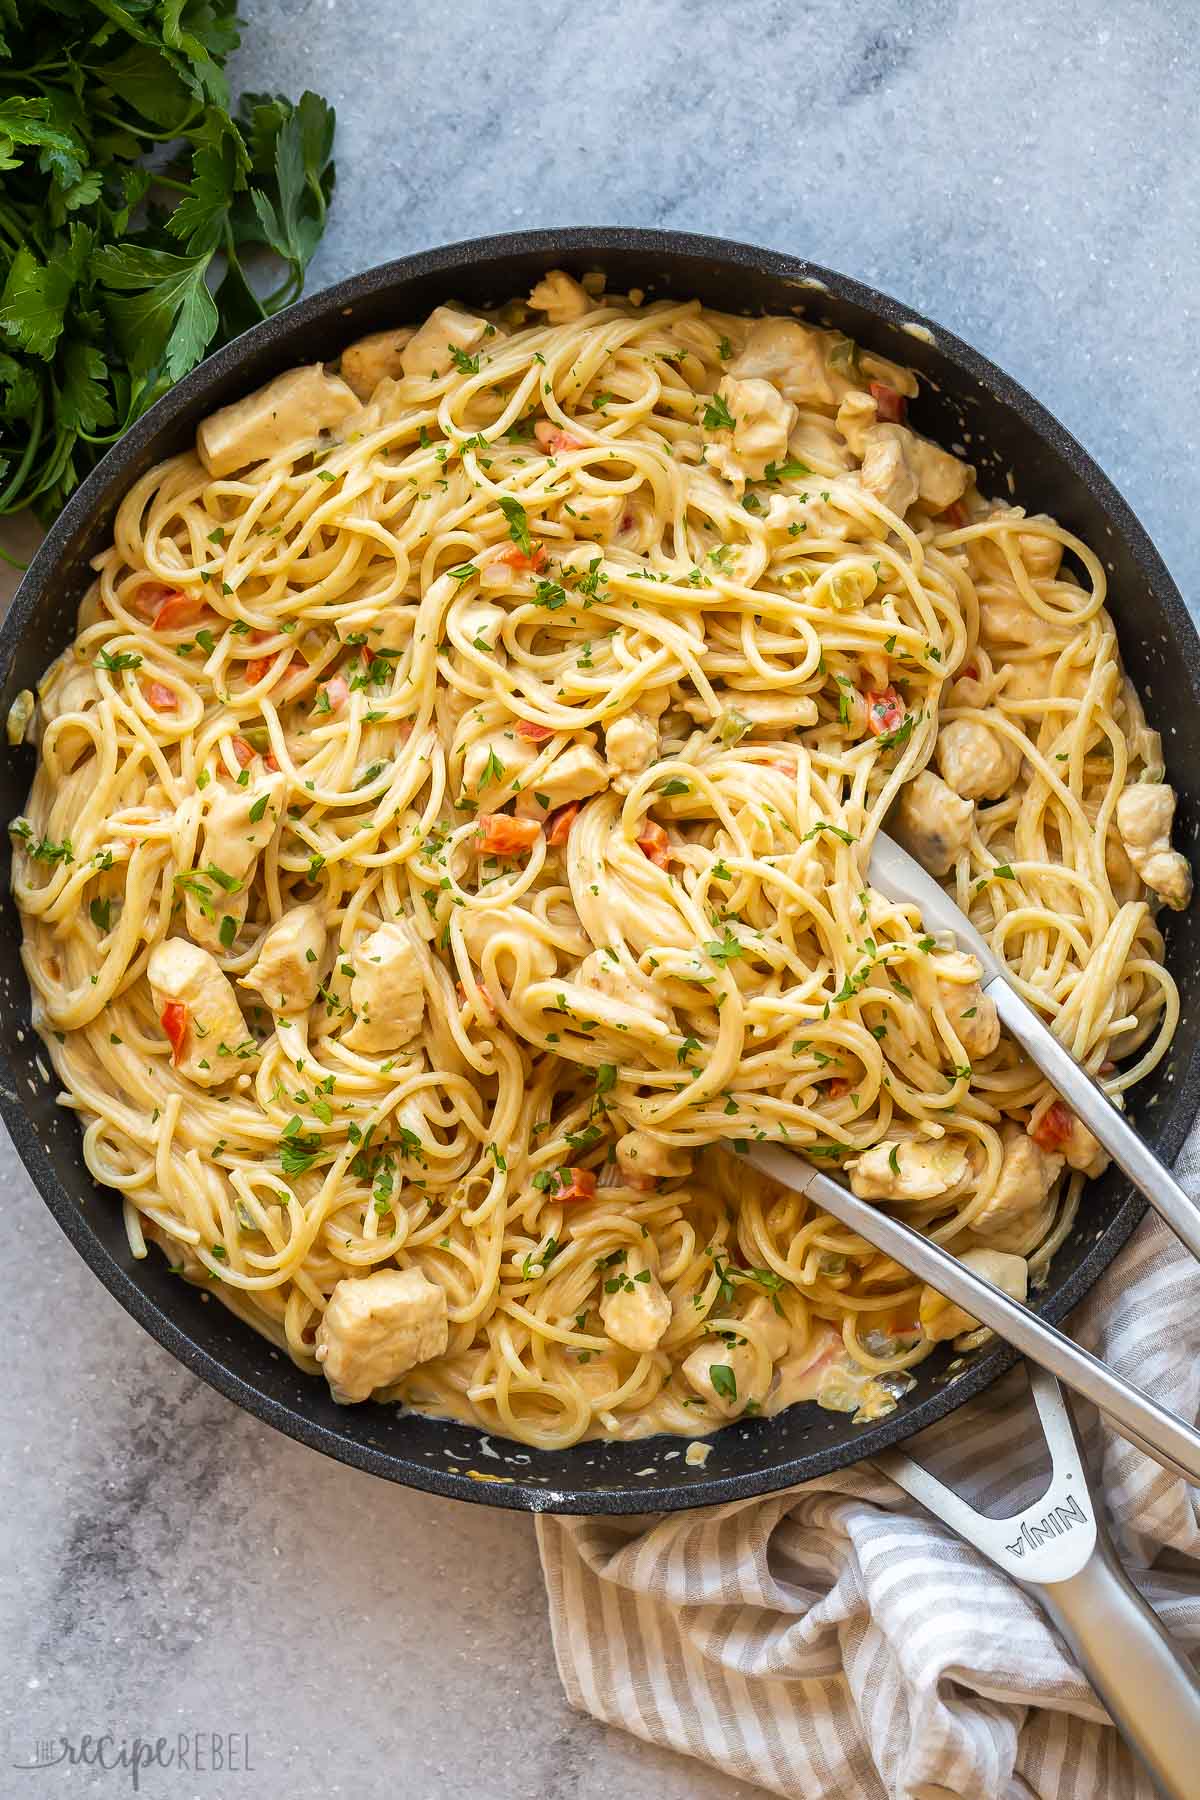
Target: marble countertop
1025 175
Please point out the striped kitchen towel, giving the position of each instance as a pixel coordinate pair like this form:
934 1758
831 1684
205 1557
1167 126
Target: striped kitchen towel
838 1641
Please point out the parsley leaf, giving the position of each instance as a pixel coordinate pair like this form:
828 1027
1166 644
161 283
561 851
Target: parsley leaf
724 1380
717 416
518 523
108 289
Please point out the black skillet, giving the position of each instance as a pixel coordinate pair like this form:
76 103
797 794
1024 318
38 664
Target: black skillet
966 402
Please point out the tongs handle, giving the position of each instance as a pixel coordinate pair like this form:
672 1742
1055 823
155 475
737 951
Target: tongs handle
1163 1436
1058 1547
1098 1113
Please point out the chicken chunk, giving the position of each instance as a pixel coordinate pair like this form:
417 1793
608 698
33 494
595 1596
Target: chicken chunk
575 774
1033 678
770 1326
1059 1129
791 357
1042 556
388 990
629 994
510 938
560 297
722 1375
1027 1173
886 470
640 1154
481 622
492 764
1005 619
977 762
596 519
428 353
941 1319
199 1011
633 1306
972 1015
855 417
631 743
934 823
941 478
1144 816
766 712
762 422
375 358
811 516
238 824
378 1327
293 408
913 1169
287 969
898 465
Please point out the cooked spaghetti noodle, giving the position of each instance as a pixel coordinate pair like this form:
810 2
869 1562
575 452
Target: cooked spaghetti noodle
452 815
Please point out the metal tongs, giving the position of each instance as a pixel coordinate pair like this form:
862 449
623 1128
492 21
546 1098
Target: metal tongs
1055 1545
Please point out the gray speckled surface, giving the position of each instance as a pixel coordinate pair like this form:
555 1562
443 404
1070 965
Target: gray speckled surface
1026 176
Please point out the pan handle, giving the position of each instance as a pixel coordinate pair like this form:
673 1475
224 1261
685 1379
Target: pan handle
1059 1549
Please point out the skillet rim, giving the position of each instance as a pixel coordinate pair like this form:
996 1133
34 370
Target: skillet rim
92 498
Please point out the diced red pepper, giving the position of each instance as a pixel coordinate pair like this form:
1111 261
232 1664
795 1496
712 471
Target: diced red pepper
971 673
654 843
885 711
579 1184
161 697
889 405
175 1019
516 558
256 669
558 825
245 754
502 835
151 596
955 515
1054 1128
553 438
336 690
179 612
839 1087
533 732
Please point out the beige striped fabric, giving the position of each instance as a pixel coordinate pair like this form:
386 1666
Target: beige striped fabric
837 1640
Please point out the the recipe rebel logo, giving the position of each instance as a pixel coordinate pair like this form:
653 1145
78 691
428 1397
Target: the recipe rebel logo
192 1752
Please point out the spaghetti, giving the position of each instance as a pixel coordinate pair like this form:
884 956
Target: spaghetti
451 820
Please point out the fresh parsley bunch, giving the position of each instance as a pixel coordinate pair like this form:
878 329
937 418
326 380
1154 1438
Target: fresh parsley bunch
132 204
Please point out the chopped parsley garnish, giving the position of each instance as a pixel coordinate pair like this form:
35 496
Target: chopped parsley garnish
717 416
822 825
724 1380
518 523
725 951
